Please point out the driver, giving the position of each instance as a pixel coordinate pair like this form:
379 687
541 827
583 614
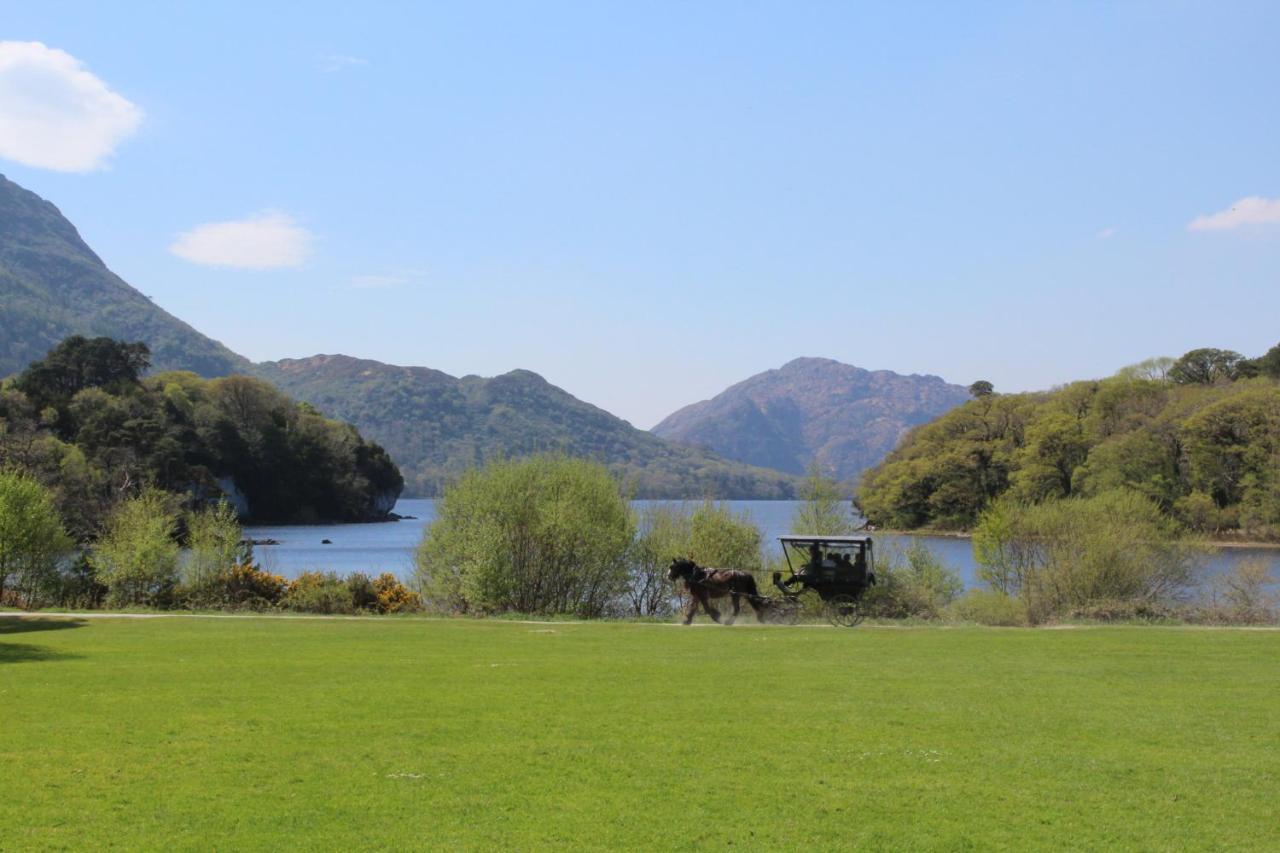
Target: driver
811 568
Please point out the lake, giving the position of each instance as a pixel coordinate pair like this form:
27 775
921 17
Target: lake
388 546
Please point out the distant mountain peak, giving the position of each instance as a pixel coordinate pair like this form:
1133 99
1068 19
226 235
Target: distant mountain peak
810 409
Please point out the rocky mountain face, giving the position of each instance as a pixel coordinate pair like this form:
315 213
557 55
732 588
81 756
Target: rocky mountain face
436 426
813 409
52 285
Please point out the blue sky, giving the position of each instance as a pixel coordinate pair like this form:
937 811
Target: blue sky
648 202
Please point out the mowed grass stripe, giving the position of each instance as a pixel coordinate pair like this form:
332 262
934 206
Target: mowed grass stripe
316 734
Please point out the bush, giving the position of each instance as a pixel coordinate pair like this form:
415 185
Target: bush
247 586
988 607
363 596
541 535
1245 595
137 557
711 535
1060 556
319 592
213 543
391 596
33 544
912 583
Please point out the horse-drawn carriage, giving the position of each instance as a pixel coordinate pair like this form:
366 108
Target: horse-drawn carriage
839 569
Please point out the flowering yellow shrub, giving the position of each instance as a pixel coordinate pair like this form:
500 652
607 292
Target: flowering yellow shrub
395 597
247 584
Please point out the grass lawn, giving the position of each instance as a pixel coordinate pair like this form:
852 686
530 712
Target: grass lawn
189 733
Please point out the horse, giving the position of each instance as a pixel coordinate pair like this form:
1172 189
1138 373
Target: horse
706 584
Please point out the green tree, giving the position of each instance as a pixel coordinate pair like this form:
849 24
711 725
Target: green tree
546 534
78 363
663 532
1269 364
722 538
1207 366
213 548
823 509
137 556
32 541
981 388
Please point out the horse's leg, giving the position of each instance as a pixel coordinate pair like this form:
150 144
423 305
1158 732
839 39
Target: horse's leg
737 608
692 609
710 608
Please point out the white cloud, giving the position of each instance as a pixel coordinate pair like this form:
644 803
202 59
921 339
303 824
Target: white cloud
339 62
1108 233
267 240
1252 210
54 114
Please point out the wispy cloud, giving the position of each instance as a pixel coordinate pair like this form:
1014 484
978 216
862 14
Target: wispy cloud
340 62
267 240
1108 233
1252 210
54 114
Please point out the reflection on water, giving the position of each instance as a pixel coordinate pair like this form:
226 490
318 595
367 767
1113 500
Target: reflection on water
388 547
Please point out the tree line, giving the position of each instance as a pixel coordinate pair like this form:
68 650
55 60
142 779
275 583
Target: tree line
87 422
1197 436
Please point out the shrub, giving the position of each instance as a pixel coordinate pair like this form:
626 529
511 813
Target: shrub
213 542
663 533
1246 594
1060 556
912 582
137 557
248 586
540 535
33 543
393 596
319 592
363 595
988 607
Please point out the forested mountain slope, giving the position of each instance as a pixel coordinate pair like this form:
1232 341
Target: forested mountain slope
813 409
52 285
436 426
1203 443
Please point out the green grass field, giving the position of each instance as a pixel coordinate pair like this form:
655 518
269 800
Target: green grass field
190 733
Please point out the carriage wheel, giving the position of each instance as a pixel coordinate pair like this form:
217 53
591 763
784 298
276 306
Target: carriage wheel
843 611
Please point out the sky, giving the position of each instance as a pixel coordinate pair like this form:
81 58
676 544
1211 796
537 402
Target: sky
648 202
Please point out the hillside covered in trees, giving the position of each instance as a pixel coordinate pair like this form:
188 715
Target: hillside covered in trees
438 426
85 421
1200 436
53 285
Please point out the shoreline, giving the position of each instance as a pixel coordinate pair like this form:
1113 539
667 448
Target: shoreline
966 534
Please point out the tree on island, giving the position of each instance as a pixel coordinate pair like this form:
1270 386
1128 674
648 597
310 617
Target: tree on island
982 388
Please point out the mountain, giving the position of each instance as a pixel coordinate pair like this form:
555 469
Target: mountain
844 417
52 286
436 426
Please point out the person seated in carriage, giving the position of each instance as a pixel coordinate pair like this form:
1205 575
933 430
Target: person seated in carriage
811 569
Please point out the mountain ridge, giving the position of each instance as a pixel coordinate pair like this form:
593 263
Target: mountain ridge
54 285
845 418
437 425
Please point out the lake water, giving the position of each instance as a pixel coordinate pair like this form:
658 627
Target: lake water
388 546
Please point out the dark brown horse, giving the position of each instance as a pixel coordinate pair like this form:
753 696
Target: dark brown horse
706 584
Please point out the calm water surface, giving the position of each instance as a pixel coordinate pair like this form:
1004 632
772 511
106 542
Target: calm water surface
388 547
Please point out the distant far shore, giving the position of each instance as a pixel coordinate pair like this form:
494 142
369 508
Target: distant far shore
968 534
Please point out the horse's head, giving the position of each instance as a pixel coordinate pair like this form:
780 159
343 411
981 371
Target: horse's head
681 568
